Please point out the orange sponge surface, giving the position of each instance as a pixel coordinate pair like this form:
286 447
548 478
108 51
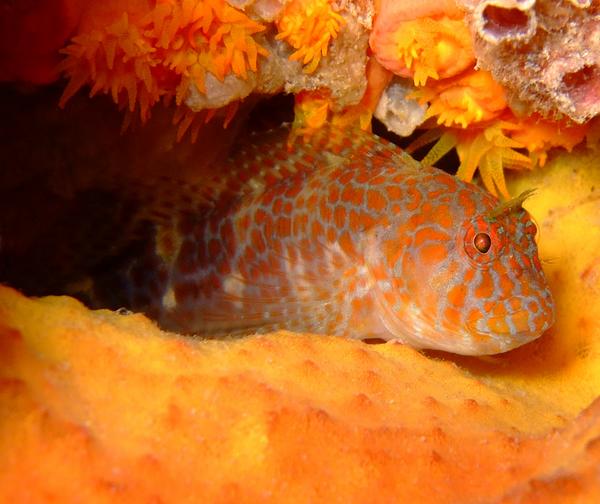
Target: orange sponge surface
104 407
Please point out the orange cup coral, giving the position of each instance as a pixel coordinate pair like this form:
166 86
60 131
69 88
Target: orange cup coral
308 26
539 135
422 40
431 43
471 97
425 48
140 53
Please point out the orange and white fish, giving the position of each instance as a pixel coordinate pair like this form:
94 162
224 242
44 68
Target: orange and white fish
344 235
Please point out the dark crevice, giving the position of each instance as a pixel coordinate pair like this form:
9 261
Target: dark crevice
499 21
583 85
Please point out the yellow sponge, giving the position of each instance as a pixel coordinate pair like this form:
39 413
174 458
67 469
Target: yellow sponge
104 407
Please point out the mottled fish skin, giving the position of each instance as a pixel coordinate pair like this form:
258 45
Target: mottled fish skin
344 235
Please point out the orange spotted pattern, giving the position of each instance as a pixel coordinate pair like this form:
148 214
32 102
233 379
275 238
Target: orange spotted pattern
344 235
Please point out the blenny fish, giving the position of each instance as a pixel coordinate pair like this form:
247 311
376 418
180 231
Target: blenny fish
343 234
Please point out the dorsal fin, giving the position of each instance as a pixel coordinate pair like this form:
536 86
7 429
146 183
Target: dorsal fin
102 223
256 161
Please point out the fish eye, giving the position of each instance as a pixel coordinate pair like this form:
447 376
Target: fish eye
482 242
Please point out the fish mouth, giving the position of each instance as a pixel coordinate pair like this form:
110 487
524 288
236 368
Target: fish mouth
515 327
513 323
500 334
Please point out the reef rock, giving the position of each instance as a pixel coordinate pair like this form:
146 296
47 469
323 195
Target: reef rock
545 52
341 69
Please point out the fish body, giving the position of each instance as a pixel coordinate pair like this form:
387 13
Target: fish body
345 235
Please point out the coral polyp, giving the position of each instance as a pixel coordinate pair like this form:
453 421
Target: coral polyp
309 26
144 56
425 48
488 149
200 37
116 60
522 80
470 98
501 81
505 143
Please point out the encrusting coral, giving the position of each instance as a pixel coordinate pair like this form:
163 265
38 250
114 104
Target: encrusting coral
211 54
208 54
141 57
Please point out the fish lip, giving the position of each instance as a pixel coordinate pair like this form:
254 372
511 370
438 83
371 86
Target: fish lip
502 342
523 335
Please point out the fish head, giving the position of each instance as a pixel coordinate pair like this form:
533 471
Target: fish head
461 281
